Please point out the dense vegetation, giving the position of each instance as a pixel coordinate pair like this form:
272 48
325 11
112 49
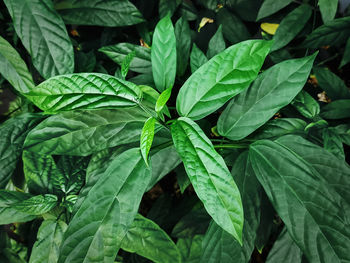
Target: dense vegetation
174 131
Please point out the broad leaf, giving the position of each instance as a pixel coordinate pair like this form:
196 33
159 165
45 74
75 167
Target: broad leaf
13 68
44 35
216 43
343 130
141 62
272 90
144 236
190 248
334 33
167 7
197 58
100 13
333 143
183 45
328 9
36 205
13 133
97 229
290 26
209 176
147 136
306 105
84 132
339 109
224 76
270 7
84 91
304 201
163 54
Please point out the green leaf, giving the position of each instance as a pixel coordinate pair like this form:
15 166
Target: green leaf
163 54
284 250
339 109
233 28
49 239
216 43
270 7
328 9
306 105
331 84
197 58
147 136
333 143
109 13
36 205
13 133
304 201
334 33
13 68
343 130
190 248
126 63
150 98
248 10
141 62
346 56
8 214
44 35
290 26
144 236
96 231
84 132
209 176
84 91
182 179
271 91
168 7
183 45
224 76
279 127
163 99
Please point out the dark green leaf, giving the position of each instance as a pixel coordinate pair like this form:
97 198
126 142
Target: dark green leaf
190 248
44 35
85 62
209 176
334 33
306 105
339 109
97 229
333 143
328 9
13 68
163 54
46 248
147 136
84 132
84 91
126 63
182 179
270 7
216 43
224 76
141 62
183 45
197 58
346 56
36 205
144 236
100 13
284 250
272 90
290 26
248 10
168 7
304 201
343 130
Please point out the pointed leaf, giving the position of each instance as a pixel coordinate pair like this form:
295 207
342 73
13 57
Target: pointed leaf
328 9
163 99
197 58
306 105
36 205
183 45
270 7
126 63
216 43
147 136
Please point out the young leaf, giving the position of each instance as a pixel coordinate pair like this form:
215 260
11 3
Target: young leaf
328 9
272 90
82 133
142 238
270 7
8 214
36 205
346 57
290 26
163 99
216 43
339 109
209 176
99 13
306 105
183 45
14 69
163 54
284 250
96 231
46 248
13 133
126 63
302 199
141 62
197 58
44 35
147 136
224 76
333 33
84 91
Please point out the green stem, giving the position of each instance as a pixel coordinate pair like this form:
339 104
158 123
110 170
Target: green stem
231 146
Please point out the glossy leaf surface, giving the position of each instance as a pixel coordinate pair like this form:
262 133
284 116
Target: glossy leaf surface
306 105
36 205
147 136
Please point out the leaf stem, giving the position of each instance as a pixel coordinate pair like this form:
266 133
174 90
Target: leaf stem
231 146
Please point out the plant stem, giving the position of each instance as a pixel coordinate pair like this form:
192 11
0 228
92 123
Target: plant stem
231 146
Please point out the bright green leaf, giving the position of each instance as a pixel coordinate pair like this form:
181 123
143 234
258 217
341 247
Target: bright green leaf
36 205
126 63
163 99
147 136
346 56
